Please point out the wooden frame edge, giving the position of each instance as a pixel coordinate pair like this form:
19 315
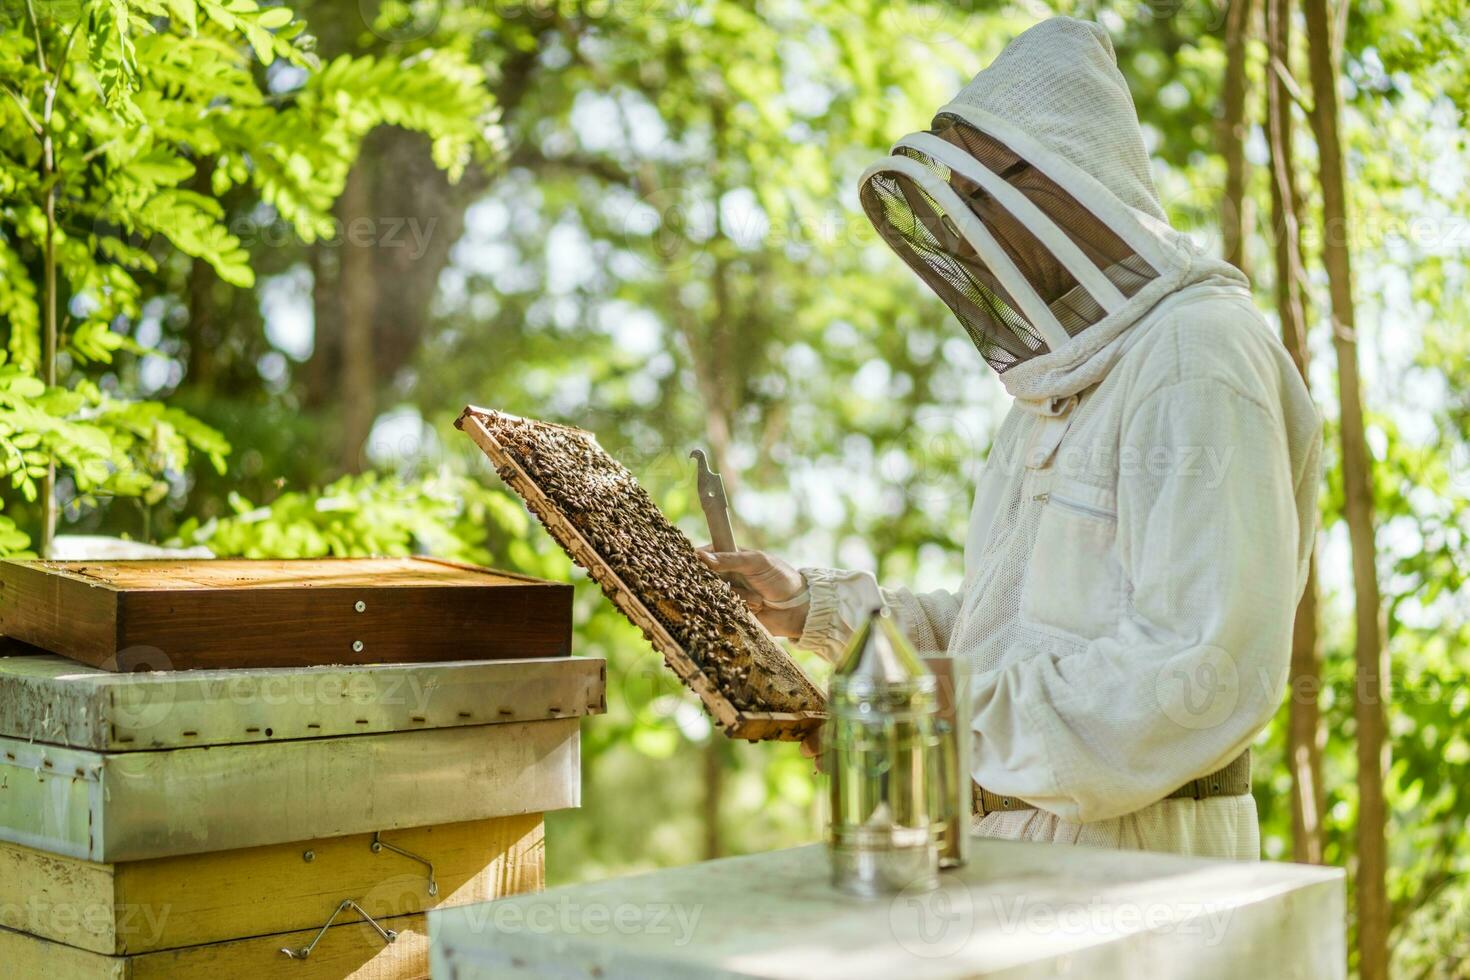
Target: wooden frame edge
725 713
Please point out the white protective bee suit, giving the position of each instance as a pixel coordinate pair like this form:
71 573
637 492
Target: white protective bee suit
1142 527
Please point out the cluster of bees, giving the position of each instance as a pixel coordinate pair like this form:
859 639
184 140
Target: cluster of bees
602 501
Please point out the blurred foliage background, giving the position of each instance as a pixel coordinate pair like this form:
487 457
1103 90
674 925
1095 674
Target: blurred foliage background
291 243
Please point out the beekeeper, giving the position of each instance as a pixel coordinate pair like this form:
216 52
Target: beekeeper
1142 527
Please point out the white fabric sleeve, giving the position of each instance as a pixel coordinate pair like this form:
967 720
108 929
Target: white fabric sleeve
1208 547
837 608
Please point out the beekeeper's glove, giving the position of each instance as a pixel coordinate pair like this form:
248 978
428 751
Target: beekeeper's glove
775 592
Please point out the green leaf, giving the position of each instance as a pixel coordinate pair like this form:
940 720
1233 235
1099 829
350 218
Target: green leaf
274 17
262 42
186 11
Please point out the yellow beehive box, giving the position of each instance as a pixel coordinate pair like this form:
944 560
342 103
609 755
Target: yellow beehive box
165 903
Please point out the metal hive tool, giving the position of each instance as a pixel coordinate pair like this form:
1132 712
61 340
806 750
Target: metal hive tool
609 525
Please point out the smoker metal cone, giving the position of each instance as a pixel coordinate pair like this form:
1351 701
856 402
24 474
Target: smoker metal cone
879 657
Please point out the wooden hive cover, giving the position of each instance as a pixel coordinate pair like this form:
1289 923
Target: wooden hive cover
610 526
182 614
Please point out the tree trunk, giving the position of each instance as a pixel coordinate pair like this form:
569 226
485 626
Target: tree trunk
1235 206
718 377
419 216
50 335
322 367
359 292
203 335
1286 235
49 504
714 792
1304 725
1370 653
1304 736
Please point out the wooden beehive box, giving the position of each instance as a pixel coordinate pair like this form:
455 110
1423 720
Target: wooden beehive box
232 913
184 614
609 525
198 823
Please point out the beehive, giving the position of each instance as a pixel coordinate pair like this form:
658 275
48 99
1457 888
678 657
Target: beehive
170 614
200 823
609 525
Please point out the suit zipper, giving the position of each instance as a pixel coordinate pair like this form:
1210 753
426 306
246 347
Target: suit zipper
1075 506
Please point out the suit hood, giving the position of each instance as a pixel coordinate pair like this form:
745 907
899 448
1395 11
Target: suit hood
1030 209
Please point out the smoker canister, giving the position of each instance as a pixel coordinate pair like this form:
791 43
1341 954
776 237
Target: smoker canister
882 740
952 793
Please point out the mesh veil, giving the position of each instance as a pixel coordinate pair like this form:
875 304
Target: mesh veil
918 213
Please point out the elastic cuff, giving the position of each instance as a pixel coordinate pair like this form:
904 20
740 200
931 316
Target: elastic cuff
800 599
824 632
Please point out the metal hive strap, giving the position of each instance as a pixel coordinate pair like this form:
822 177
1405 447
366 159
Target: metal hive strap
302 952
378 845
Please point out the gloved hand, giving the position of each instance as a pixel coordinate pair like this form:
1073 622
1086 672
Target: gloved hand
775 592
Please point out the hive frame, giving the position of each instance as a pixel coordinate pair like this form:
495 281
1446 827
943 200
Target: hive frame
734 722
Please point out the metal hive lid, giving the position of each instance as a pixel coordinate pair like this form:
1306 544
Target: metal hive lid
46 698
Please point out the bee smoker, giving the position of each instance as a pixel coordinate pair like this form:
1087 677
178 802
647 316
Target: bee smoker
882 742
952 792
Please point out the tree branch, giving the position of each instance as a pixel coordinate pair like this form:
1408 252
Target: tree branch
1288 81
54 85
96 151
24 110
599 167
36 32
50 178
